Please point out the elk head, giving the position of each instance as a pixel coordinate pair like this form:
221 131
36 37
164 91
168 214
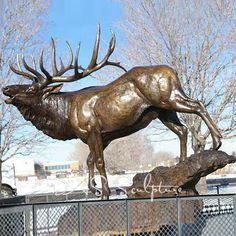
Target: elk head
40 89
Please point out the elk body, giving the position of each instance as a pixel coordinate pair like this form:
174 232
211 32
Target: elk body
98 115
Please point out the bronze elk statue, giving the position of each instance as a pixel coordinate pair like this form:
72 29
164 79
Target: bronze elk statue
98 115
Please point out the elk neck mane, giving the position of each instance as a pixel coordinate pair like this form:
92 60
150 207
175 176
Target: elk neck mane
50 116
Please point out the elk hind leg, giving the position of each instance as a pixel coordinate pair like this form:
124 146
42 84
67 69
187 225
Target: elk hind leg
191 106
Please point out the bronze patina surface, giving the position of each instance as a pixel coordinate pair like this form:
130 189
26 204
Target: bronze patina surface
98 115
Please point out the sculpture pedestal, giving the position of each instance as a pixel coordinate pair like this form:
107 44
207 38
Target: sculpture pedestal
180 179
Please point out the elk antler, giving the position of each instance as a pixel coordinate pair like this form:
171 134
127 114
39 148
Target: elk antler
57 75
20 72
93 65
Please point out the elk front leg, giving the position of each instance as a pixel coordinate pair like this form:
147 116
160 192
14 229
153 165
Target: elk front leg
171 120
96 149
91 182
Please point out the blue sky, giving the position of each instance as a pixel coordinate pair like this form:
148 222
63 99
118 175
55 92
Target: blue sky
76 21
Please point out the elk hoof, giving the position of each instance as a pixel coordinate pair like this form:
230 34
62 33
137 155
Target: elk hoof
105 193
182 159
217 144
105 196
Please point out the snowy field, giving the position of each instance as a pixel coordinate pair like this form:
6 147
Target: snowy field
80 183
68 184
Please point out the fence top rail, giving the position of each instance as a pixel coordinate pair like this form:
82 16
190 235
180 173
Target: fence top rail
215 196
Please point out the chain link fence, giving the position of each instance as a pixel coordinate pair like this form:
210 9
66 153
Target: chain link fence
186 216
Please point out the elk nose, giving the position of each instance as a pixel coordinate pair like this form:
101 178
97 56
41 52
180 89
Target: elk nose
5 89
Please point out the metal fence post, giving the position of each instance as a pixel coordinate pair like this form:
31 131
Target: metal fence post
178 201
28 222
128 218
80 219
234 198
34 220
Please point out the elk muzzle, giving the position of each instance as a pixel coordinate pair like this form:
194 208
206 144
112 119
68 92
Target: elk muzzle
7 92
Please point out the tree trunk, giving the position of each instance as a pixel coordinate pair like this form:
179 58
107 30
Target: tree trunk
198 145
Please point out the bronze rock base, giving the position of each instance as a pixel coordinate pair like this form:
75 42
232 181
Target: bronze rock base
180 179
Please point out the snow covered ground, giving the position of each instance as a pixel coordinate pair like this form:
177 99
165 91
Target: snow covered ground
76 183
68 184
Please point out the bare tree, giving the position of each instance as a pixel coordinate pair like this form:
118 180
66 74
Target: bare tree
80 154
197 38
129 153
164 158
134 152
21 26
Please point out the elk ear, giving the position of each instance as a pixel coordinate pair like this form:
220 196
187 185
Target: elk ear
51 89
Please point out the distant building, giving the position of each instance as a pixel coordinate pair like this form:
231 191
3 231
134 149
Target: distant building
24 166
61 167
